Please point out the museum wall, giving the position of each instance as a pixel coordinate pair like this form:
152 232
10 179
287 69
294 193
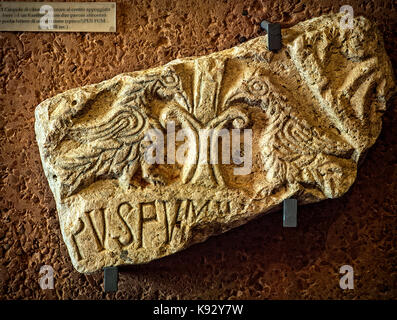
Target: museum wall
260 260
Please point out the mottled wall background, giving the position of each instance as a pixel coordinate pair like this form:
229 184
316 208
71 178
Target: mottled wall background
261 260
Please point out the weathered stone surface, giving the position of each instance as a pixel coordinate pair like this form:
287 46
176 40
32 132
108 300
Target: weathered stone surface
314 109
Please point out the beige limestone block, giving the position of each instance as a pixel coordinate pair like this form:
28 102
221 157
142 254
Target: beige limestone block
313 108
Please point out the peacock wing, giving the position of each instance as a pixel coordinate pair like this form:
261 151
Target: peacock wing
106 150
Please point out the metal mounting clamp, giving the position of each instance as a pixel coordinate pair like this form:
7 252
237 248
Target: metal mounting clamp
273 35
110 279
290 213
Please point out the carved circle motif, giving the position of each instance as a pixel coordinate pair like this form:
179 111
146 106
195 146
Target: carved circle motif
170 80
257 87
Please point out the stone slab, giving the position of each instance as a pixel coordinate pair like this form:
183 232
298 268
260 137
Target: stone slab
314 109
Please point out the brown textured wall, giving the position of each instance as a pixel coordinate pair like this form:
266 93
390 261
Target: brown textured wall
260 260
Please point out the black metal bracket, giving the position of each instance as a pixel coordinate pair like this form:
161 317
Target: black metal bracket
290 213
110 279
273 35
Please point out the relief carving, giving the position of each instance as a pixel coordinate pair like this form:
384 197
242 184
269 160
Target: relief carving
253 128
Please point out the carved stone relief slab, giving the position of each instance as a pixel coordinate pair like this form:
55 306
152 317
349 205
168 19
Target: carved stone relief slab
312 110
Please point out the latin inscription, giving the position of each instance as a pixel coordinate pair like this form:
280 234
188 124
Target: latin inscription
127 224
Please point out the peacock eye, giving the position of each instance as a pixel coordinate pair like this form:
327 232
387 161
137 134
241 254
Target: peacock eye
170 80
238 123
257 87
